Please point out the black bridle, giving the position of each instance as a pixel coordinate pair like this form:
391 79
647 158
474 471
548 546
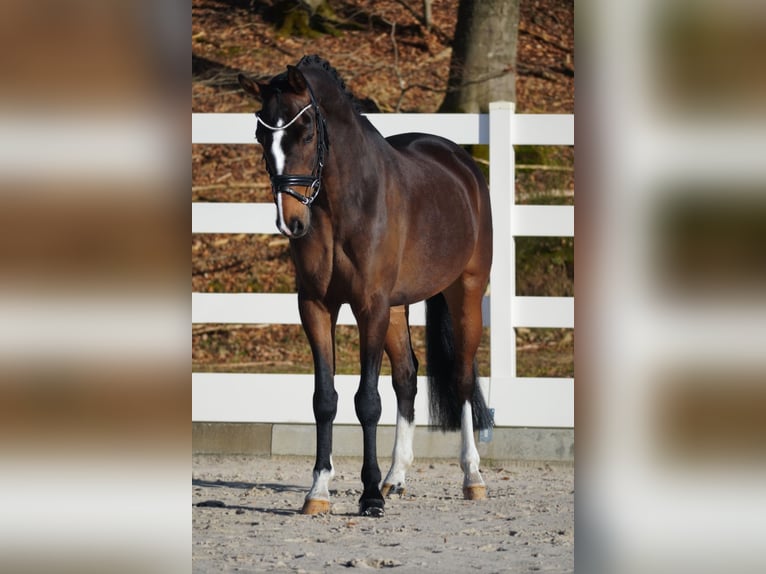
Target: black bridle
283 183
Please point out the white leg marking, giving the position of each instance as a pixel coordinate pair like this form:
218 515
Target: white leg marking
403 454
469 455
320 490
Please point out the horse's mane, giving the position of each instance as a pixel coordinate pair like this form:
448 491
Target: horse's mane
316 62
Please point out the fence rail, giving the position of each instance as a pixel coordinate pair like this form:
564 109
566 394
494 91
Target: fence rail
527 220
466 129
518 401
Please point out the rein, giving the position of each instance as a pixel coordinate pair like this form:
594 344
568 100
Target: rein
282 183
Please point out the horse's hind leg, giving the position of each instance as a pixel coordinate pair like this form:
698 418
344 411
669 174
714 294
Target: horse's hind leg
404 367
464 300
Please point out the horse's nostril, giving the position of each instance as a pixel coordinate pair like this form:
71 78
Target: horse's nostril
297 227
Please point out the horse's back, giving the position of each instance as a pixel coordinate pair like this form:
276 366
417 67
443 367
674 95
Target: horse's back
432 155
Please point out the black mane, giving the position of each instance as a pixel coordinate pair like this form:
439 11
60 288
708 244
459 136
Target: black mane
315 61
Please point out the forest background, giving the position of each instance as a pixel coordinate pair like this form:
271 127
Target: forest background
386 54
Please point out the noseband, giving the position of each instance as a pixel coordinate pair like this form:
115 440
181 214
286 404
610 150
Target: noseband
282 183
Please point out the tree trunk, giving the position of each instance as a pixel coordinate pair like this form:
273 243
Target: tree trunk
483 65
306 18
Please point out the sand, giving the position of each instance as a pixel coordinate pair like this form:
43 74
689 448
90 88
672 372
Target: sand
245 516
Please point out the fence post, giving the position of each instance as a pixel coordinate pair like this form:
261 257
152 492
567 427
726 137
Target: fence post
503 276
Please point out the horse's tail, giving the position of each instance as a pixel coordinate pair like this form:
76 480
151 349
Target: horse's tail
445 406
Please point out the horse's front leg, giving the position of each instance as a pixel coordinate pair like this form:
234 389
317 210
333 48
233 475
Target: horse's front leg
319 325
373 323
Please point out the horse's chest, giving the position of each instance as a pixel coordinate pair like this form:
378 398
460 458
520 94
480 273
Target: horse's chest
345 269
323 272
352 273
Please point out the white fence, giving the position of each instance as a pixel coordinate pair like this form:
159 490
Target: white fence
518 401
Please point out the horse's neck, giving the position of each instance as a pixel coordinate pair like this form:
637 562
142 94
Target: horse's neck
351 195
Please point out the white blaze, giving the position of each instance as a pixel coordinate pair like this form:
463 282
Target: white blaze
276 149
281 217
279 165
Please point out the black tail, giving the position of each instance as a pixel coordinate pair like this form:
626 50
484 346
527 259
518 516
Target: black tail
445 406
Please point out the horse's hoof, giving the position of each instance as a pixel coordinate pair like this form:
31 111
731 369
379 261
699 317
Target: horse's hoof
387 489
316 506
476 492
373 512
372 508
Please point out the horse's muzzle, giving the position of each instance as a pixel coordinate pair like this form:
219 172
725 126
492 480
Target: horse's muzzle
296 228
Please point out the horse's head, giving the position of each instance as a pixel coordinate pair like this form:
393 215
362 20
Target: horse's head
291 130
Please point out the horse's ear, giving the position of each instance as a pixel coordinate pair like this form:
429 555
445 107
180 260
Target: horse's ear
296 79
253 88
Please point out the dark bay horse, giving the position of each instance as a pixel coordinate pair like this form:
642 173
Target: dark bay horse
378 223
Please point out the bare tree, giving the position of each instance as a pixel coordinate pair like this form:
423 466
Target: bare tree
483 65
427 18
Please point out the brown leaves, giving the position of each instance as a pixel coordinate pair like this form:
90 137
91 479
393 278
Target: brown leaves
228 39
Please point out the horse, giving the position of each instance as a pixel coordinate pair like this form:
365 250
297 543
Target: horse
378 223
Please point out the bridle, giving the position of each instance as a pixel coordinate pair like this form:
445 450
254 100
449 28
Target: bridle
282 183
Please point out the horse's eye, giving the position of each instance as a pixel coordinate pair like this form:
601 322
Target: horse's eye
310 129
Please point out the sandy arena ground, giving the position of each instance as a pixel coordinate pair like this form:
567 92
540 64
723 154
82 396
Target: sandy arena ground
245 518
